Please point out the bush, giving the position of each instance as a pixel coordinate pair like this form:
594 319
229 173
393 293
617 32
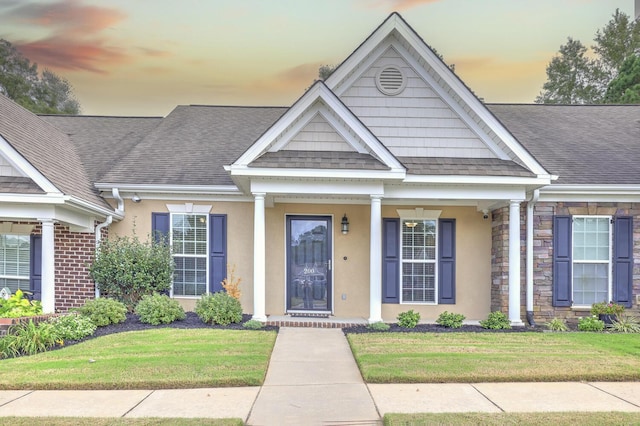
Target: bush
219 308
450 320
73 326
253 325
28 338
625 324
159 309
408 319
591 323
379 326
496 321
104 311
126 269
18 306
604 308
557 324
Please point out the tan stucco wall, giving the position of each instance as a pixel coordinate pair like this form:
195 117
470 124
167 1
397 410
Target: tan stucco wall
350 255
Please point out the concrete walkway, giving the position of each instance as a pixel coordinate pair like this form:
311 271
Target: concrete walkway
313 379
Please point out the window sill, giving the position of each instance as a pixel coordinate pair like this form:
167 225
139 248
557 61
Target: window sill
581 308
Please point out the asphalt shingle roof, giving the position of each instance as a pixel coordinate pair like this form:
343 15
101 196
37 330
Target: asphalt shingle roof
582 144
101 142
19 185
48 150
319 160
192 144
463 166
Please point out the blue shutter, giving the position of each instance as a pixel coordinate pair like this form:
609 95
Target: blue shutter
623 260
35 267
160 226
562 262
217 251
391 260
447 261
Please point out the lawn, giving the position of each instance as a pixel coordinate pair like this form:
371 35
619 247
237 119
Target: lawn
165 358
496 357
497 419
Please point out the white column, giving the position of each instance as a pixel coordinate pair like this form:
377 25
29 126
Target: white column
375 261
48 269
259 276
514 263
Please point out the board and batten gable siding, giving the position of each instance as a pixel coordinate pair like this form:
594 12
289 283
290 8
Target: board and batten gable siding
318 135
415 122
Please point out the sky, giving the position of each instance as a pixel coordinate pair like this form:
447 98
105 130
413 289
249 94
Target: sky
144 57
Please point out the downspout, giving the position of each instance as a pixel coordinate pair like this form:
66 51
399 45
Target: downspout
530 206
107 222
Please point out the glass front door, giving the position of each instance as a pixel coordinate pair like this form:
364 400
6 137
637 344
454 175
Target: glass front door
309 263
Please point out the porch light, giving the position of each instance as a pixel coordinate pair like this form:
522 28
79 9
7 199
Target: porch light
345 224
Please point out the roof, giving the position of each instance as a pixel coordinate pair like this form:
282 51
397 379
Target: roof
464 166
19 185
192 145
48 149
319 160
582 144
101 142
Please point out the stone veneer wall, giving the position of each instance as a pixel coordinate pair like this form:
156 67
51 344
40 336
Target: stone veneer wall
543 308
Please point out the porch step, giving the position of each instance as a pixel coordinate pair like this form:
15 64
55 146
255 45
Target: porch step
316 322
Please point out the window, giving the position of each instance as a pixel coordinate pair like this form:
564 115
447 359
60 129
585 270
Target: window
14 262
591 237
189 244
418 261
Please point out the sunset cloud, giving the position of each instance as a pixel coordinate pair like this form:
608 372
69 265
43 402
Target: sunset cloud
76 40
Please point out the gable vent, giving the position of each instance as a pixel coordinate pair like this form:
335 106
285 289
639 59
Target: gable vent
391 81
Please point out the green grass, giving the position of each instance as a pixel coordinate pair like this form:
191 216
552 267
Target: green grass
498 419
165 358
496 357
97 421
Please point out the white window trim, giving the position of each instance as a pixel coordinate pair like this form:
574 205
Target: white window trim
609 261
27 277
206 255
429 215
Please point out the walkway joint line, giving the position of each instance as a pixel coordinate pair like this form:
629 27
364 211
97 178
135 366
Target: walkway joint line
138 404
613 395
487 398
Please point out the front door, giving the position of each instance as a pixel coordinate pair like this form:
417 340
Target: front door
309 263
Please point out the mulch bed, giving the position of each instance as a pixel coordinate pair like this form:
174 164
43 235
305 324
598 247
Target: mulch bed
435 328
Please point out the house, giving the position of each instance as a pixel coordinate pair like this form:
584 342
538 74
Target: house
390 186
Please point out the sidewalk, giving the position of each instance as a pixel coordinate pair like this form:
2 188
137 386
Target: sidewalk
313 379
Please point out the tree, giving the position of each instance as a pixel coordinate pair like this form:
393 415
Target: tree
20 81
571 77
625 88
574 78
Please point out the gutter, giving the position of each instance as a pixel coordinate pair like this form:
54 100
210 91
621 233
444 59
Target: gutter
98 231
529 279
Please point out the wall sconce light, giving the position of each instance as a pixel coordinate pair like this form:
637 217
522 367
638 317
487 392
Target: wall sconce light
345 224
136 198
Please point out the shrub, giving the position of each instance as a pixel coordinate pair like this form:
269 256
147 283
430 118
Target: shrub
625 324
450 320
591 323
18 306
231 283
557 324
126 269
219 308
408 319
253 325
104 311
379 326
496 321
159 309
72 326
28 338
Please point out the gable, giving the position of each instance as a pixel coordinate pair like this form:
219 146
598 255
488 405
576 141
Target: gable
8 169
416 121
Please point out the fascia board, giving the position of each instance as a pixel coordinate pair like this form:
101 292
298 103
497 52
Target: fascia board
20 163
319 173
490 180
590 193
335 188
92 209
32 198
180 189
